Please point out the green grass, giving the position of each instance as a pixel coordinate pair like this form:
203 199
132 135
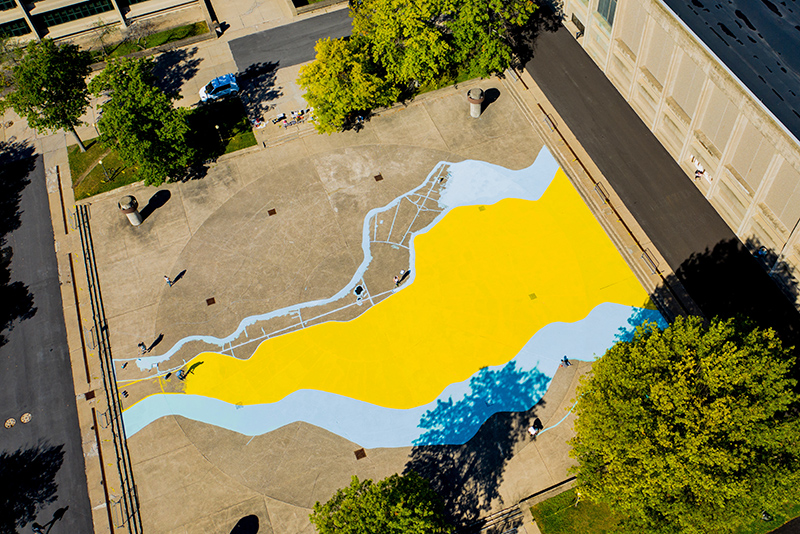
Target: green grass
234 133
116 172
559 515
151 41
779 517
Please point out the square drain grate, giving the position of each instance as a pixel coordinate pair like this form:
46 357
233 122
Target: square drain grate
360 454
481 208
378 177
271 212
89 395
211 301
532 296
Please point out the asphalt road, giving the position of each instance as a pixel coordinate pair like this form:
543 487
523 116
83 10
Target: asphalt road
713 265
291 44
36 377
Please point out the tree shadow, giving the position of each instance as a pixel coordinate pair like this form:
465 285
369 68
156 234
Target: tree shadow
16 163
156 201
257 89
174 68
729 281
468 476
29 484
246 525
522 39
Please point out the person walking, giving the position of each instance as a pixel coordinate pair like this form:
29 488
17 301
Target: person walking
142 347
169 282
396 281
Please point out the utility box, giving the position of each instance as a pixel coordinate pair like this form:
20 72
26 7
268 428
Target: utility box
475 98
130 207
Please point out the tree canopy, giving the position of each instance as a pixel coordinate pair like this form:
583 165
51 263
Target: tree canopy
398 46
398 504
690 429
340 83
50 86
140 122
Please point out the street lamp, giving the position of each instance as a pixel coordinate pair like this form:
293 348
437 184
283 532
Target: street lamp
219 134
104 171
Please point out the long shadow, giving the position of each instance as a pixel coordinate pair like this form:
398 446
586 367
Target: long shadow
468 476
257 89
28 485
16 163
732 280
174 68
158 199
547 18
246 525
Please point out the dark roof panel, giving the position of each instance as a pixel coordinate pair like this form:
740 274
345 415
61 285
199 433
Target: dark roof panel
759 41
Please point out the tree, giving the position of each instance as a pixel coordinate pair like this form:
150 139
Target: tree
691 429
480 32
398 504
50 86
10 52
340 82
140 122
404 38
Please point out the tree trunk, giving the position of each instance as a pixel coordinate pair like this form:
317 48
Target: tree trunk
78 138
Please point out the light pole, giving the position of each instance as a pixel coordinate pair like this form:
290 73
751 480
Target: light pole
219 134
104 171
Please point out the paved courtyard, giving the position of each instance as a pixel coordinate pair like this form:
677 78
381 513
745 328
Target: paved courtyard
276 237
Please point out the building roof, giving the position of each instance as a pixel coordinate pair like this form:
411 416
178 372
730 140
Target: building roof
759 41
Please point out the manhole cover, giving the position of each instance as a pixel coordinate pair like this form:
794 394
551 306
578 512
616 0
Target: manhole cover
90 395
271 212
532 296
10 422
25 418
378 177
211 301
361 453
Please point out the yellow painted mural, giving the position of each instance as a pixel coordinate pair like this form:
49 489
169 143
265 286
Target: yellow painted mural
486 279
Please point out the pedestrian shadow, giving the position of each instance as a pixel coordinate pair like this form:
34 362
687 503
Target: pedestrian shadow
156 201
47 527
468 476
405 275
180 275
246 525
29 484
155 342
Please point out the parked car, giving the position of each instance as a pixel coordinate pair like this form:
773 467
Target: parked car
219 87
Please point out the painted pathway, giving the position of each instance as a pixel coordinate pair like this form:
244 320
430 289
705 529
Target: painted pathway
513 274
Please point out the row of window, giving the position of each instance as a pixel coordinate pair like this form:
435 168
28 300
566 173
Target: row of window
15 28
47 19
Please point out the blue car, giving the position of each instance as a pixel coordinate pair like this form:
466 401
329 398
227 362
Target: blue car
219 87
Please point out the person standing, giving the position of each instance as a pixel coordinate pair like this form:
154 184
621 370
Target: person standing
169 282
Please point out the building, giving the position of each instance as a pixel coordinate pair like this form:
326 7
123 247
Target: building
65 18
719 85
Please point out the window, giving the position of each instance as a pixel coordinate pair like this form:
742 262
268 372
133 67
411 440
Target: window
606 8
7 4
14 28
70 13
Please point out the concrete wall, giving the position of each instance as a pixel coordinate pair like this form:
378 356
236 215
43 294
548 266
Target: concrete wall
703 116
119 14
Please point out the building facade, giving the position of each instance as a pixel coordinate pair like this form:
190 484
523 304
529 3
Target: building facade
64 18
741 157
